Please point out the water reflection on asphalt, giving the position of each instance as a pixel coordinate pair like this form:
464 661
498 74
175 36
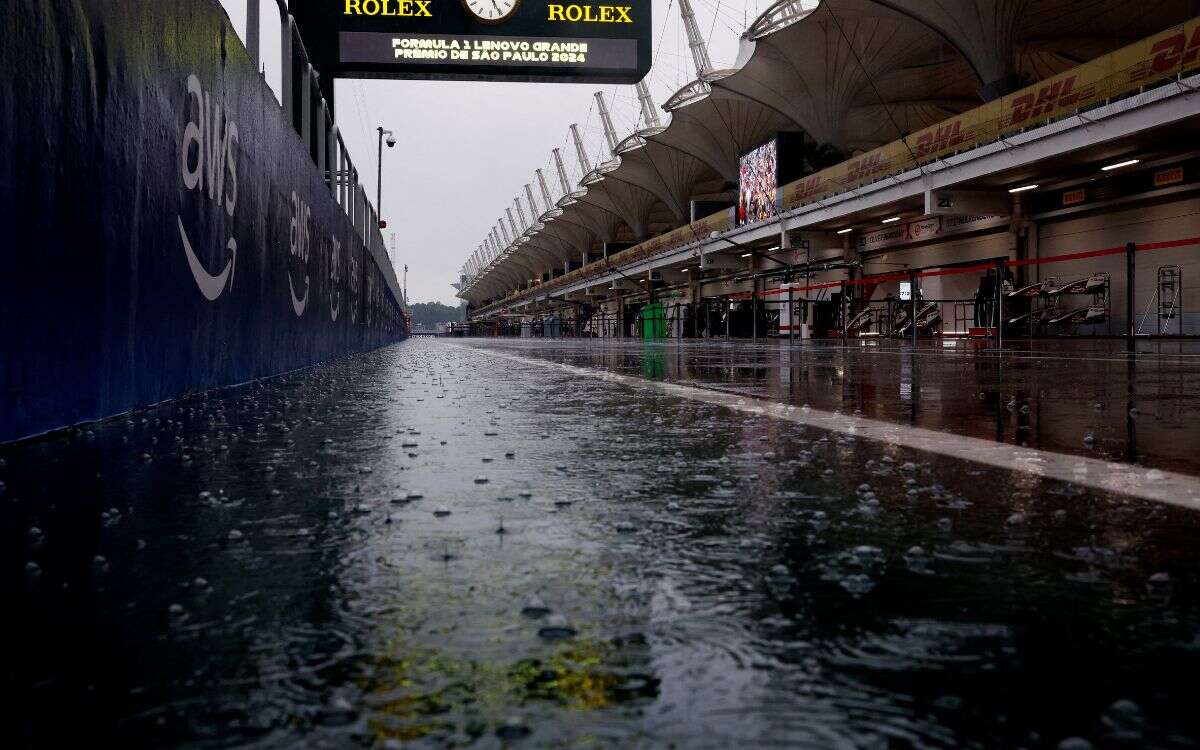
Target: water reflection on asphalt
434 545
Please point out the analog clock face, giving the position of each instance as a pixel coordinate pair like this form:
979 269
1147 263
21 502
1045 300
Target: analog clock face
491 11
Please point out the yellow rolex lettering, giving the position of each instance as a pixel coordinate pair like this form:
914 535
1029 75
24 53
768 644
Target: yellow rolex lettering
403 8
590 13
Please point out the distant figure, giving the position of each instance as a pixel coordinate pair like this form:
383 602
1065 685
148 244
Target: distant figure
985 298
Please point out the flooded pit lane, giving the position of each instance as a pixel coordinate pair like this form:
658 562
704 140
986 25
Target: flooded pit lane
439 544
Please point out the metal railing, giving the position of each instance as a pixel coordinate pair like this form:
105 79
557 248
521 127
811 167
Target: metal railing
312 119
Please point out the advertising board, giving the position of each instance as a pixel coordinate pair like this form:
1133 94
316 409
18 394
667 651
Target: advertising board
1173 52
498 40
758 182
179 238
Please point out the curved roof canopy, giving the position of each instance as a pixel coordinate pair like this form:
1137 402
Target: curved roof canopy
853 74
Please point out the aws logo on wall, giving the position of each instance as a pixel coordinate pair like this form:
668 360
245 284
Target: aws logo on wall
335 278
303 241
208 164
355 285
299 249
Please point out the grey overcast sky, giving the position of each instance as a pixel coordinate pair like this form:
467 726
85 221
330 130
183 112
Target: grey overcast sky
465 150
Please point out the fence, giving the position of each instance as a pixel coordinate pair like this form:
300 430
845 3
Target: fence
1072 299
312 119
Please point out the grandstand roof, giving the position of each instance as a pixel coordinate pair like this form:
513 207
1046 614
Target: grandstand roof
851 73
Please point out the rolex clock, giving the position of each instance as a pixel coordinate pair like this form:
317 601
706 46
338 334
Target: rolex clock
491 11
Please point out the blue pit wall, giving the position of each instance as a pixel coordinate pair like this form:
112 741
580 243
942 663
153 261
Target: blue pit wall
167 231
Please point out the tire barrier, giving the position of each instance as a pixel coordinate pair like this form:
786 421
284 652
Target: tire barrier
167 230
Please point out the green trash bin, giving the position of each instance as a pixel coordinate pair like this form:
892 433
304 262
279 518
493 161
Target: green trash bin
653 324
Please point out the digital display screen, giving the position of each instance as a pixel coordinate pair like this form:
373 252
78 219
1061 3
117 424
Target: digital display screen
758 178
502 40
489 51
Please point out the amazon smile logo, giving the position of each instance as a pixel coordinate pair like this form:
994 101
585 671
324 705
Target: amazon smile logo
208 165
335 278
299 244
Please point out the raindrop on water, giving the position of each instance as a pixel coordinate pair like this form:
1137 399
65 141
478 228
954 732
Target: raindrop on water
556 627
535 607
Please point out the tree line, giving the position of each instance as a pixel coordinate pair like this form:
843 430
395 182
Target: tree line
432 314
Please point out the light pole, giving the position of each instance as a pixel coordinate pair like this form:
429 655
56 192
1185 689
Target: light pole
391 142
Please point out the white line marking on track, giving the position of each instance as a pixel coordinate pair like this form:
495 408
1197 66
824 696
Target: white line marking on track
1156 485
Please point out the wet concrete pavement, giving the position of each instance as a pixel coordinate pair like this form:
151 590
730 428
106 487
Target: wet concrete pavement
439 544
1087 398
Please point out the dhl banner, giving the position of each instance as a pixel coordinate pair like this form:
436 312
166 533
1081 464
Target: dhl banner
694 232
1172 52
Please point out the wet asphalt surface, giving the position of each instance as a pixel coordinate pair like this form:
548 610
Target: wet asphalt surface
431 545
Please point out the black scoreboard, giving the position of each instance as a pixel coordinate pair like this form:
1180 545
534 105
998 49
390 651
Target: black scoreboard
489 40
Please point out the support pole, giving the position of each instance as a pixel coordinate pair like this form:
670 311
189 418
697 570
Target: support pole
545 190
513 225
585 162
379 171
845 313
1130 272
912 280
695 39
253 43
306 109
331 156
610 133
754 311
322 141
649 116
562 172
791 313
999 304
285 55
533 211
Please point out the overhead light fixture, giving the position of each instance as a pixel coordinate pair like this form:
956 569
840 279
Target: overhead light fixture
1023 188
747 255
889 221
847 230
1118 165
